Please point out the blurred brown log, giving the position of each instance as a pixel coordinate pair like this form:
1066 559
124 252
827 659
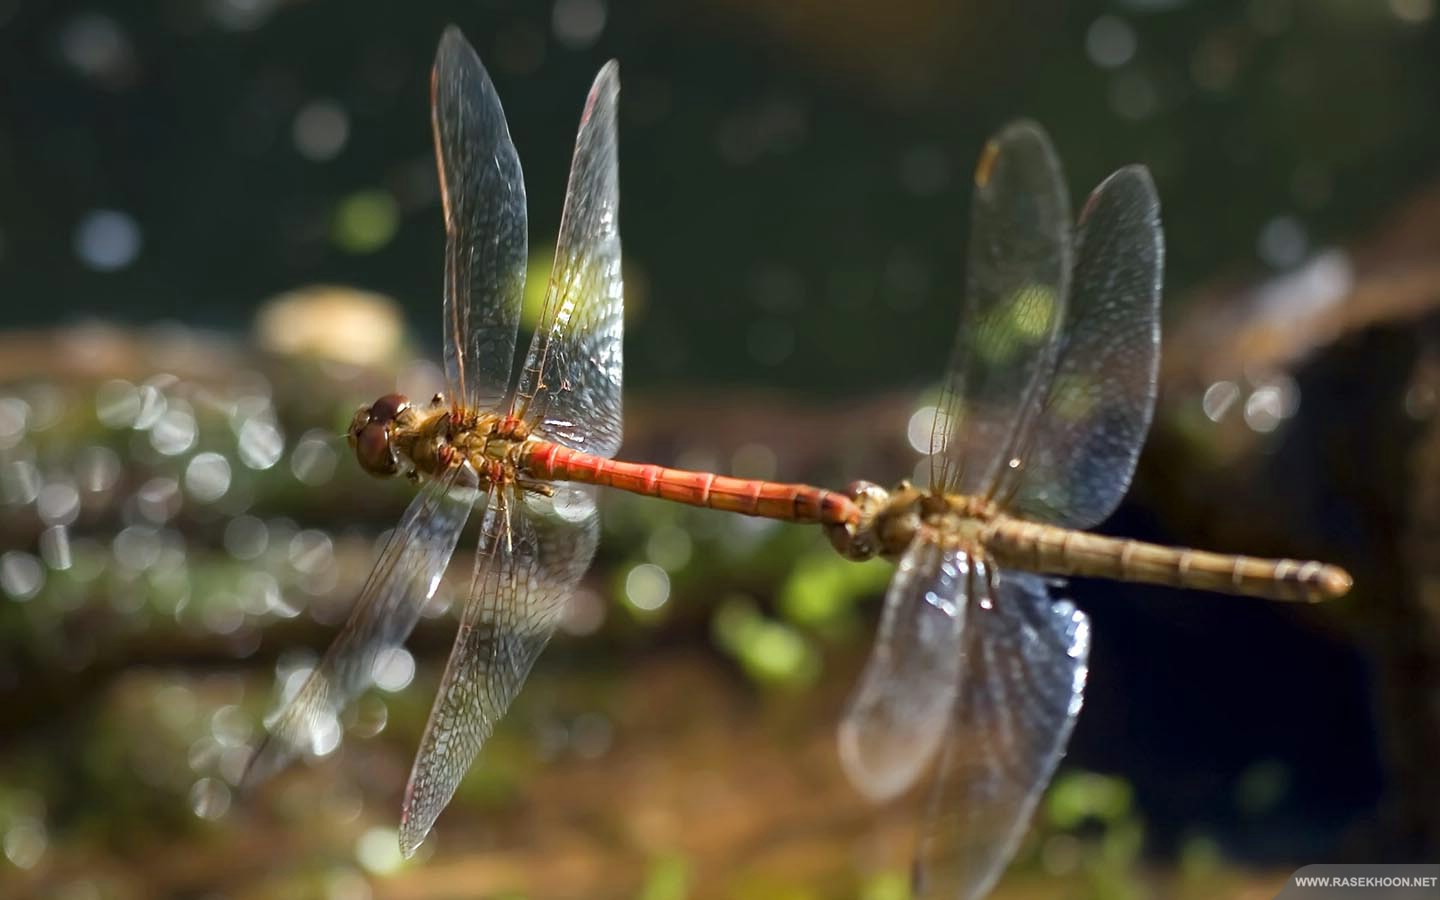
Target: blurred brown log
1353 476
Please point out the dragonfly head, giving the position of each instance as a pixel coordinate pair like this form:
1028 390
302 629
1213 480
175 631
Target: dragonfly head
371 432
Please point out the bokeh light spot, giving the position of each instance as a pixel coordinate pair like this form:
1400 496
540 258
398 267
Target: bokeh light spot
1282 242
55 548
210 798
647 587
207 477
107 240
14 421
320 130
58 503
366 221
246 537
1413 12
1110 42
117 403
578 23
25 843
1219 398
314 458
260 444
378 851
394 669
21 575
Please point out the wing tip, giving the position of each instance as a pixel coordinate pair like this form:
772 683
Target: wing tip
455 52
1023 131
877 784
604 91
413 829
452 38
409 842
1022 157
1023 128
1131 183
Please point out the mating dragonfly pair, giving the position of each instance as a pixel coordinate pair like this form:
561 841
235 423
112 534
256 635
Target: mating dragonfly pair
1045 406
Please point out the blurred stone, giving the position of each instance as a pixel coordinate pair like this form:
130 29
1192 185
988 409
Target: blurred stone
337 324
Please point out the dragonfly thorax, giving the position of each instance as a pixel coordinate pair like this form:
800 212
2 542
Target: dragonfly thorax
392 436
889 520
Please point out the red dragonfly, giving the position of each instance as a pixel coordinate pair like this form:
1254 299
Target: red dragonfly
978 670
502 447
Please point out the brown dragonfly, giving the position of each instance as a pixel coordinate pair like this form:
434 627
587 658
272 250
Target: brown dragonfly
978 669
523 453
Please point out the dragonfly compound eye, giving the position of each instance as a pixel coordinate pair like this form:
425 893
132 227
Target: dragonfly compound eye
388 408
370 433
373 450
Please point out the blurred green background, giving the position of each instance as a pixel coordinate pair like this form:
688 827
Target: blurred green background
179 525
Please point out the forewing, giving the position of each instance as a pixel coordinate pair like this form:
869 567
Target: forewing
1016 282
483 195
898 716
571 383
1025 667
404 578
532 553
1082 449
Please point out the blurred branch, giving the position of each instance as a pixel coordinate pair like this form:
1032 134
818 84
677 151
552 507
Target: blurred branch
1351 473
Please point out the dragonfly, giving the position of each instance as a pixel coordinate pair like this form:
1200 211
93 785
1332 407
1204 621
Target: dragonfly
525 452
978 669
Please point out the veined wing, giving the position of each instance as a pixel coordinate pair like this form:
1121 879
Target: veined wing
1080 452
483 193
571 383
897 718
1025 667
404 578
1016 283
532 553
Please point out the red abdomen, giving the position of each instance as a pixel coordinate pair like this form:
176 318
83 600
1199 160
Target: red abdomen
747 496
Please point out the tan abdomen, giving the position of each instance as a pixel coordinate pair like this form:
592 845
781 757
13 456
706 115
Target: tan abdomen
1061 551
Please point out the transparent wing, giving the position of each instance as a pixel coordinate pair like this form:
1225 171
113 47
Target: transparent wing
532 553
404 578
898 716
1025 667
571 383
1016 282
1081 451
483 194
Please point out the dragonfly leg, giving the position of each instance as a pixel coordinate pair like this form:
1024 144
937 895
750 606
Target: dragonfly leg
536 487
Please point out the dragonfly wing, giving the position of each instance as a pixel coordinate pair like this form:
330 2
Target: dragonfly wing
483 193
532 553
1016 282
897 718
1083 447
404 578
571 382
1025 667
